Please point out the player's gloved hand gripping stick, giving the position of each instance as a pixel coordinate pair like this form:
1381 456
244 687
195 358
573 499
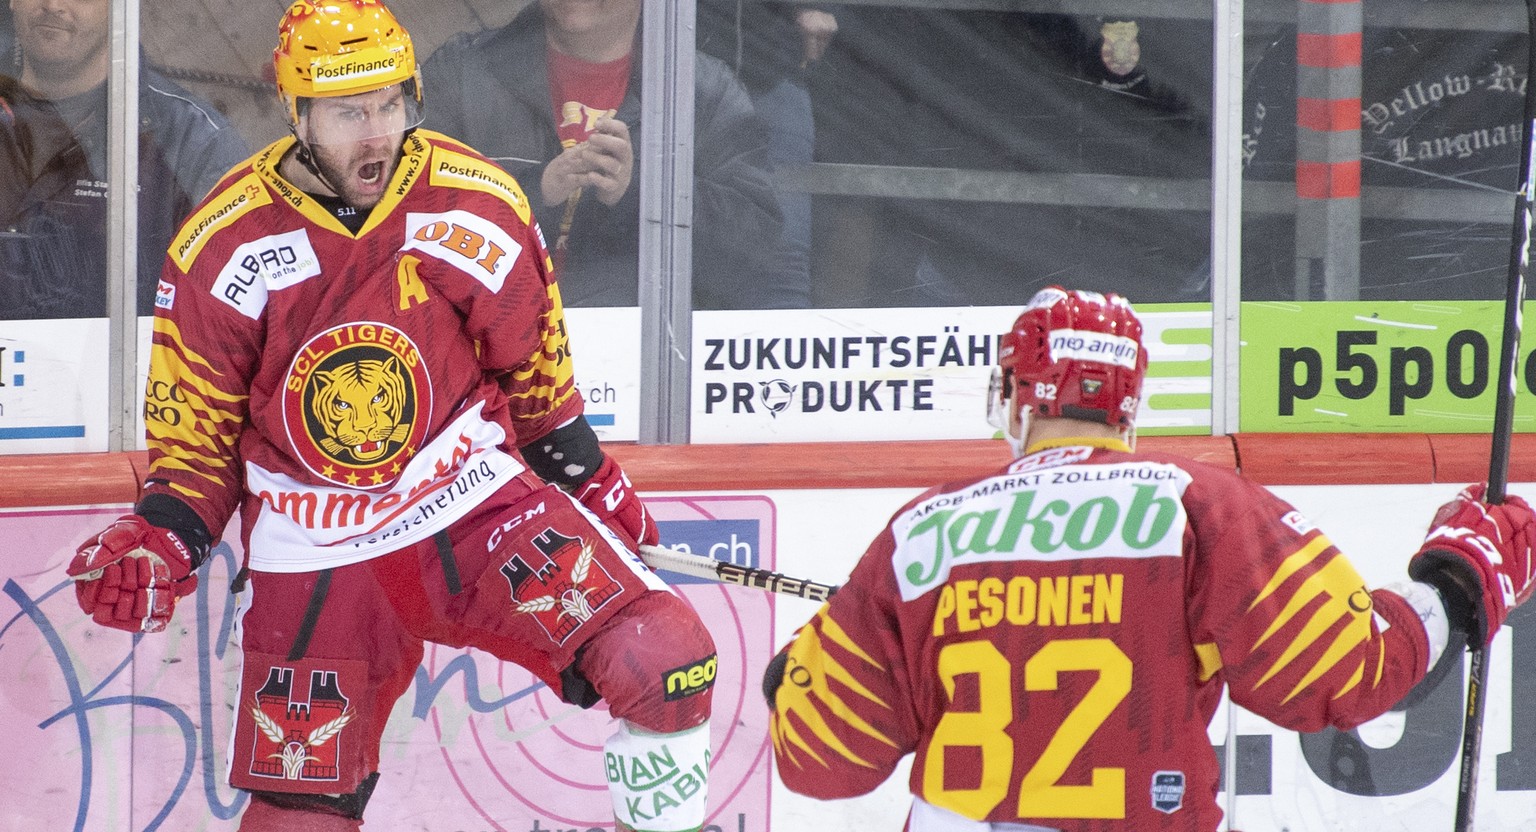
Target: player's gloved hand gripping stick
1503 418
1479 557
612 498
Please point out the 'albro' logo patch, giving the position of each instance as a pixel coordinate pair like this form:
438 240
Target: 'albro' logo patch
357 403
689 679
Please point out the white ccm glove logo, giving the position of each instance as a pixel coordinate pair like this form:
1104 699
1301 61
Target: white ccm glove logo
615 494
1484 547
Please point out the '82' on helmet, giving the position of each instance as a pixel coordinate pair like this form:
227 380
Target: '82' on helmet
1076 354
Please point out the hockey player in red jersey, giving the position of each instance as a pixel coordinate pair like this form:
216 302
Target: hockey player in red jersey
1051 640
364 351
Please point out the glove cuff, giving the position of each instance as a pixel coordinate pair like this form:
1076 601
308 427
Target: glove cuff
173 515
1460 588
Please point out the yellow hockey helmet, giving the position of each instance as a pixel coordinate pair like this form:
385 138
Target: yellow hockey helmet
341 47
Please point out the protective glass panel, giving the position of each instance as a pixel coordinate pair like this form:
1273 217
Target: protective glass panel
1416 204
550 91
54 111
971 154
53 131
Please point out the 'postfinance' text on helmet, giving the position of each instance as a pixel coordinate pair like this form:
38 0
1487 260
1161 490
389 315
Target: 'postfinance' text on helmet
341 47
1077 355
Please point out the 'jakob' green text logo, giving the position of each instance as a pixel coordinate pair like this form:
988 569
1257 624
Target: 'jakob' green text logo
1128 522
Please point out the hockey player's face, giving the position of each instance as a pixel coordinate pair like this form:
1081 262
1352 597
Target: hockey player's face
63 38
356 141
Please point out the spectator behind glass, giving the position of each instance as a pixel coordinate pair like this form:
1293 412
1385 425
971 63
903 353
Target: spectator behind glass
771 47
7 39
1042 94
1440 113
53 141
500 90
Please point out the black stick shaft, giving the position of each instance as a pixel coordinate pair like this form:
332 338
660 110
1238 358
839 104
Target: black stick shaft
1503 421
1472 738
1514 290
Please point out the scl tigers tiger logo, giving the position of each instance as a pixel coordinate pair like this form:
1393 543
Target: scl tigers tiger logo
360 405
357 403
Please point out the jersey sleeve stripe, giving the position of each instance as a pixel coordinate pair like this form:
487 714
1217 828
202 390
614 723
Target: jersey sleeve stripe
1333 586
167 462
786 739
1353 682
840 637
1351 637
540 394
812 702
168 328
182 489
1292 564
202 442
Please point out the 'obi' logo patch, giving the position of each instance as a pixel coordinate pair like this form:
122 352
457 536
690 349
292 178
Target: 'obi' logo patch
469 243
357 403
689 679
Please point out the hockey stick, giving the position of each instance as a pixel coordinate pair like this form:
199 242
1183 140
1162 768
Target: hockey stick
710 569
1503 422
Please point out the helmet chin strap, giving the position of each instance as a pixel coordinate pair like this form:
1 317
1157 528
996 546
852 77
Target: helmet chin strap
306 157
1017 442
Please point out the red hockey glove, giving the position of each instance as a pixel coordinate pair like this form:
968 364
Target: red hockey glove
130 575
1479 557
609 495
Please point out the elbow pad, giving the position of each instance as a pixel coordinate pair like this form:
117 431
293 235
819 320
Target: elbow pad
566 456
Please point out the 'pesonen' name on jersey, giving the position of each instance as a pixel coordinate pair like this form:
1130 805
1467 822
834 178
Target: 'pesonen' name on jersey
1061 601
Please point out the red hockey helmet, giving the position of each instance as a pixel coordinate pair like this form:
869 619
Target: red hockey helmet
1076 354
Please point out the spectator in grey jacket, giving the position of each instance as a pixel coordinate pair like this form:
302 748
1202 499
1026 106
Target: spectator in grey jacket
771 47
53 144
494 90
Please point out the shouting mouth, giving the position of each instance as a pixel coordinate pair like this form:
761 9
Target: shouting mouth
371 173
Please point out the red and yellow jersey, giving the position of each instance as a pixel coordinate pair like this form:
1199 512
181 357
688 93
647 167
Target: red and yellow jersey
1051 642
354 393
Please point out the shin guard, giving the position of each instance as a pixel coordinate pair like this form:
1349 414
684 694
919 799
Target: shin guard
658 782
